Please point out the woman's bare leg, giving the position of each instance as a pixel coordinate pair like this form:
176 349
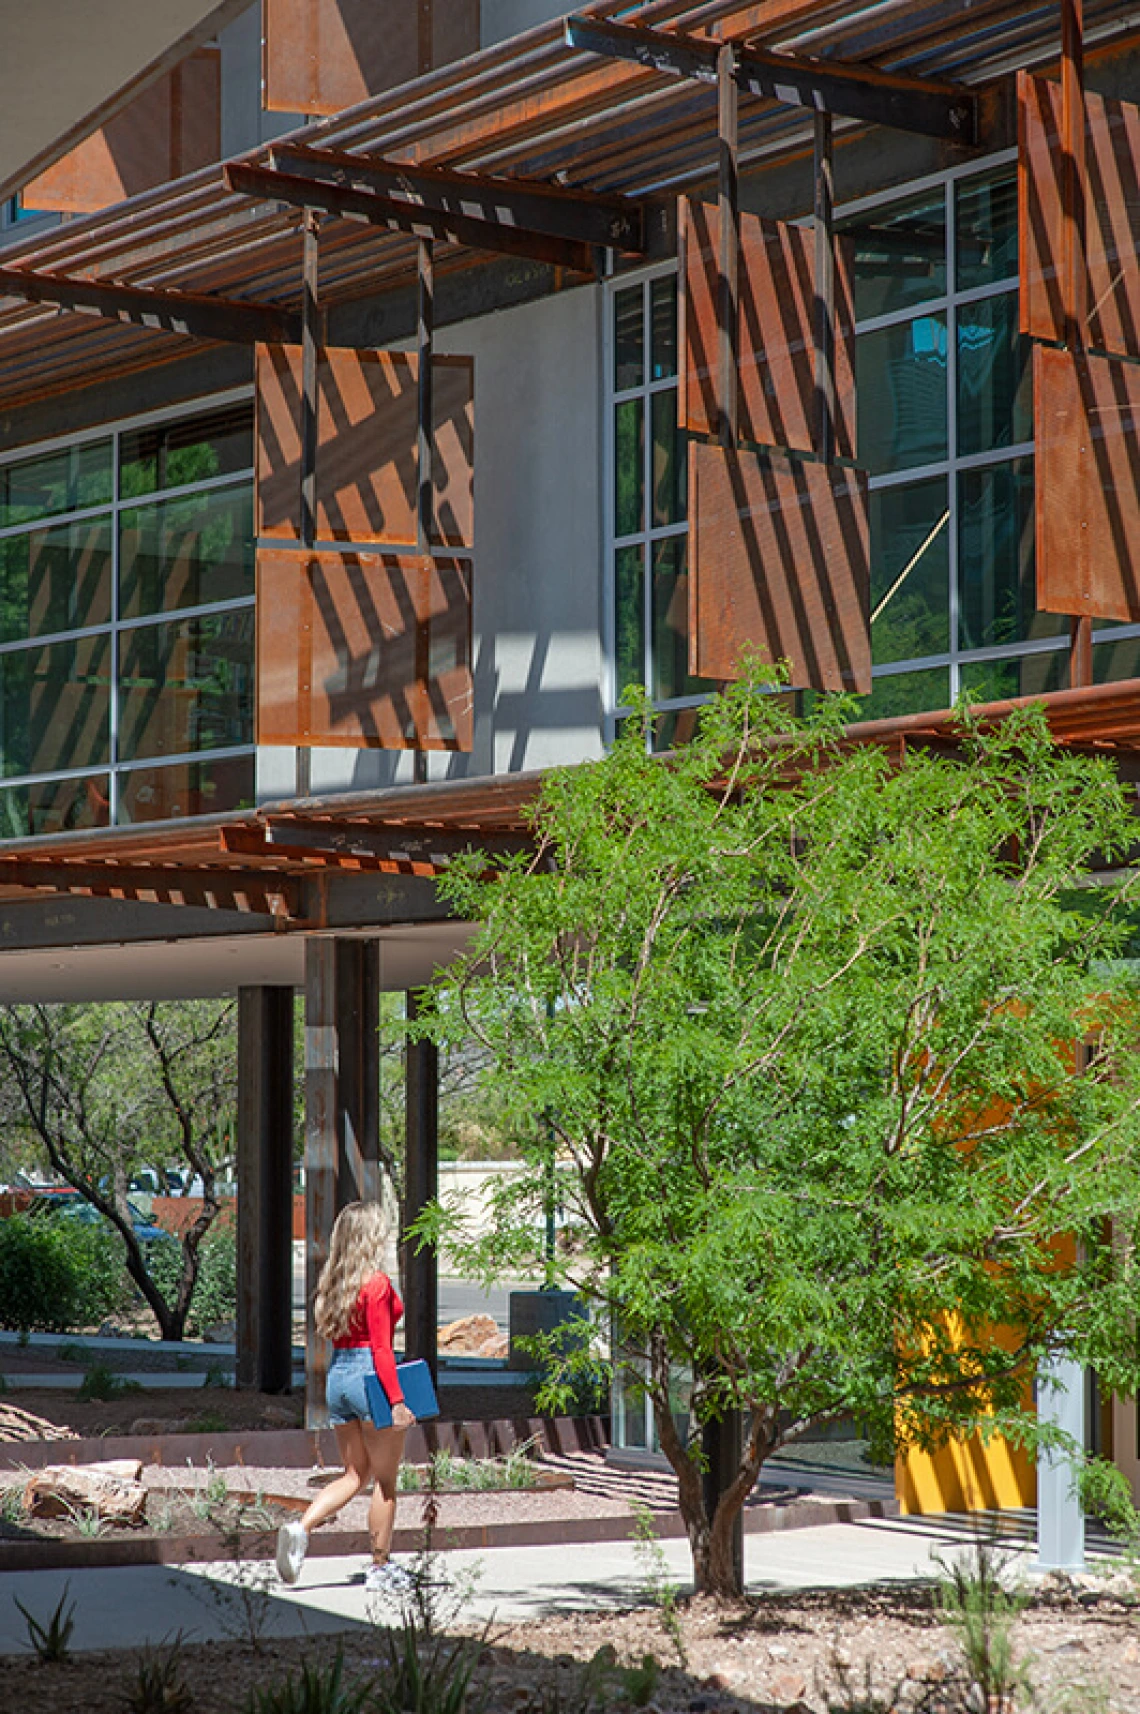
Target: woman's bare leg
357 1472
384 1449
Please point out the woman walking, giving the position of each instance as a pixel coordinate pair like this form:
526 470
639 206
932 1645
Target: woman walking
357 1307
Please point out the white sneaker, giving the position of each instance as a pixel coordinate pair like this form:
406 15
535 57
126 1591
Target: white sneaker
292 1546
386 1579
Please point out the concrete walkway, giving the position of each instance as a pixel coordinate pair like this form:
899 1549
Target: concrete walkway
138 1604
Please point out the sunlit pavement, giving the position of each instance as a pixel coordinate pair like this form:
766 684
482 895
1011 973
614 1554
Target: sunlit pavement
129 1606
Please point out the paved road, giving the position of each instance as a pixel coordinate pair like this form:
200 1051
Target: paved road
133 1605
456 1297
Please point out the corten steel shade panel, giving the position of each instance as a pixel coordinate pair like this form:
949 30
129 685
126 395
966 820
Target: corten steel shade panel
365 651
780 557
367 464
174 127
1112 217
776 348
321 56
1086 423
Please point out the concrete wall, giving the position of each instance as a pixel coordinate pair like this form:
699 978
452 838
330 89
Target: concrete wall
538 557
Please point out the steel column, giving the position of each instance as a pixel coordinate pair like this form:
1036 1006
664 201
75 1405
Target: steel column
265 1189
342 994
1074 277
723 1445
421 1184
1060 1520
728 313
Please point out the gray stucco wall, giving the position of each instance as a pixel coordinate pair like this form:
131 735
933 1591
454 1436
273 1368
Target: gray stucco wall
502 18
538 556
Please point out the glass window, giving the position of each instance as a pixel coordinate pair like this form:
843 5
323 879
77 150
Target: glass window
1020 675
1116 659
55 704
906 693
629 339
190 449
671 676
629 566
900 254
186 686
55 579
186 553
902 395
57 806
55 482
996 580
910 570
207 787
995 406
663 325
985 236
629 472
669 460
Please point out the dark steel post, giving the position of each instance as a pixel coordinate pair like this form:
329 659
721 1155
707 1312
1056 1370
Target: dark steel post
723 1445
1074 277
310 288
421 1184
265 1189
824 289
728 203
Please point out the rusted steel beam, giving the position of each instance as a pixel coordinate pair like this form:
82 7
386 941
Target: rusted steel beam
402 216
614 221
943 110
431 845
728 283
214 889
198 317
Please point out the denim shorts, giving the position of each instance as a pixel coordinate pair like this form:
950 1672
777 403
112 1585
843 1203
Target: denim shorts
345 1392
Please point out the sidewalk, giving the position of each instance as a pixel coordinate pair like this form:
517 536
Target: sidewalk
138 1604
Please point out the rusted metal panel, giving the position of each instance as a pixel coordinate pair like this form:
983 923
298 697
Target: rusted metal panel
321 56
367 460
173 127
1086 418
780 558
776 341
364 651
1112 217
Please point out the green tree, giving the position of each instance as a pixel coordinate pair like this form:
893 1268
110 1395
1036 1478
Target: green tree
109 1089
804 1017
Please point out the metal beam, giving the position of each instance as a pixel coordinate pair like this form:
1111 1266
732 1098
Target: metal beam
525 205
217 889
399 215
945 110
224 319
392 846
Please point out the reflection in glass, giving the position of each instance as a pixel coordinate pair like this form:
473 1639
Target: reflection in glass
186 553
629 339
985 238
630 639
906 693
900 254
676 726
192 449
55 580
996 580
186 686
1116 660
663 326
187 788
902 395
669 460
1023 675
57 806
55 706
629 469
55 482
671 676
995 404
910 571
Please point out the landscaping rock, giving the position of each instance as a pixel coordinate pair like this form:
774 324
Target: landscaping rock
110 1490
17 1424
472 1336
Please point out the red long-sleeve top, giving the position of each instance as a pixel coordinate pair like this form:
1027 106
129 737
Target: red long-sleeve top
378 1309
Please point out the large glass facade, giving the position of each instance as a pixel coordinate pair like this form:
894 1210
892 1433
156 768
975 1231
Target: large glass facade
945 427
126 625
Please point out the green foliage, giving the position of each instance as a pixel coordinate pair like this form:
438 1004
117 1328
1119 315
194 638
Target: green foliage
56 1274
160 1686
801 1019
51 1640
214 1298
446 1471
313 1690
1107 1496
102 1382
656 1581
423 1672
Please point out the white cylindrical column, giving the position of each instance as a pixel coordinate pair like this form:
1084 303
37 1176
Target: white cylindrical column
1060 1520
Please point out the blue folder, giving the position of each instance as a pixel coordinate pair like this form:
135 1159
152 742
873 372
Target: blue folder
416 1386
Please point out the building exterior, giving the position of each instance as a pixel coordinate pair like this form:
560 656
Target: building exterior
282 622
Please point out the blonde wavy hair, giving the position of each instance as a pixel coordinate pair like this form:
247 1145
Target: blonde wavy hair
356 1252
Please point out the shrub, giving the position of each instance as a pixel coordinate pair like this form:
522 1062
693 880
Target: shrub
56 1274
215 1290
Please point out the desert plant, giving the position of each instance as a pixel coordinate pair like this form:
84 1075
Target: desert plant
159 1686
101 1382
51 1641
56 1274
423 1672
313 1690
656 1581
981 1612
214 1298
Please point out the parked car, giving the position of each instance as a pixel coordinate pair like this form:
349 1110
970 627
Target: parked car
70 1205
